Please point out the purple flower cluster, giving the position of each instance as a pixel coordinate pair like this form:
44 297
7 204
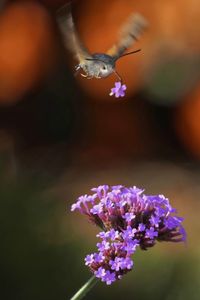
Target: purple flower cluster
118 90
128 219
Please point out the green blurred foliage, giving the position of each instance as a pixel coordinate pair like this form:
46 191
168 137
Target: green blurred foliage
172 77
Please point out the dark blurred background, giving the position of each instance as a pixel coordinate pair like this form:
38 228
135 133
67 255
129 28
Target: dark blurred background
61 135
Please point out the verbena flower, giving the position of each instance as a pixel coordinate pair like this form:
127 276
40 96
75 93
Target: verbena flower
128 219
118 90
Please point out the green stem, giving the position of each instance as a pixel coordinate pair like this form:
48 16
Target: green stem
85 288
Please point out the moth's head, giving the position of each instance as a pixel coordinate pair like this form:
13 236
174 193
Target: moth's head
105 69
102 65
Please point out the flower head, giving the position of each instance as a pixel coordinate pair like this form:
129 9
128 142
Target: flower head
118 90
128 219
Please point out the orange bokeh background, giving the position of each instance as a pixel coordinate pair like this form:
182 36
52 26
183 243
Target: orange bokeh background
27 48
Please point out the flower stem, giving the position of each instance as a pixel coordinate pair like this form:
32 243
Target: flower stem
85 288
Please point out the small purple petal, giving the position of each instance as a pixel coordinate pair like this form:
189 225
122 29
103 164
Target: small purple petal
97 209
75 206
129 233
99 257
121 94
117 187
89 259
141 227
126 263
183 233
109 278
172 222
129 216
103 235
154 220
150 233
103 246
124 87
130 246
118 85
100 273
113 234
115 264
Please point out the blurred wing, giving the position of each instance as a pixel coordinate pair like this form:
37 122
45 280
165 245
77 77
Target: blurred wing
129 33
71 39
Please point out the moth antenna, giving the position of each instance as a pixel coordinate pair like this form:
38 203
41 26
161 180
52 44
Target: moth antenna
132 52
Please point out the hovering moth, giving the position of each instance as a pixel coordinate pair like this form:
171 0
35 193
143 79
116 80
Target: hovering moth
99 65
